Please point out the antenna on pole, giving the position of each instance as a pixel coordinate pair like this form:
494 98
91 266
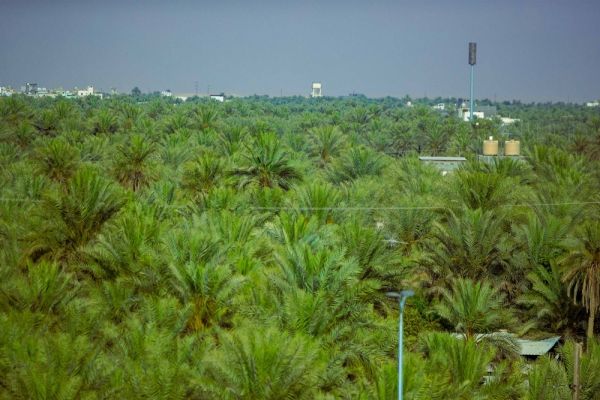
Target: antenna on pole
196 89
472 56
207 90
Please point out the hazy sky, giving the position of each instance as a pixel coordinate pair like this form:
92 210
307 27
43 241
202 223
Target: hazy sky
534 50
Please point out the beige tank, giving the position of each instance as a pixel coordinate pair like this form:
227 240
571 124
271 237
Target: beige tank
490 147
512 148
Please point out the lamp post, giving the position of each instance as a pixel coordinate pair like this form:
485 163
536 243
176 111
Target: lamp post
402 296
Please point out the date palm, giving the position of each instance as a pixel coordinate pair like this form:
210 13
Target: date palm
56 159
104 122
357 163
74 217
134 163
326 142
581 268
262 363
473 307
203 174
269 166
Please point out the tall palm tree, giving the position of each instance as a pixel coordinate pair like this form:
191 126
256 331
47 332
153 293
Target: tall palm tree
326 142
581 268
470 245
269 165
73 218
262 363
104 122
549 300
203 174
473 307
57 160
357 163
133 165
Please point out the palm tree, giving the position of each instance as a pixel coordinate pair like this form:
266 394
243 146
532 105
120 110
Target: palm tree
326 141
203 174
129 115
319 200
548 299
581 268
104 122
209 289
262 363
57 160
269 165
47 122
47 288
470 245
357 163
133 165
74 217
473 307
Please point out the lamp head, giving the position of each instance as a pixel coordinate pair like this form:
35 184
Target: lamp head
404 293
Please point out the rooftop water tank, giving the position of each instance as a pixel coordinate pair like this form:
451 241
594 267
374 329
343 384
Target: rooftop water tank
490 147
512 148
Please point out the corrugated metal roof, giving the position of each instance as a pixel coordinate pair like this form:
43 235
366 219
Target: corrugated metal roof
527 347
537 347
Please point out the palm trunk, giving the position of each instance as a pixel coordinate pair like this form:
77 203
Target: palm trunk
590 330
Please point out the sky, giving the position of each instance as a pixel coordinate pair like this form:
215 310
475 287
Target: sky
531 50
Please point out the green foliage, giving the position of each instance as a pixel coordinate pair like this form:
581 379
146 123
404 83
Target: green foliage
155 248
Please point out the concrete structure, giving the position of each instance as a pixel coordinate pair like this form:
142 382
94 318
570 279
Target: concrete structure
166 93
89 91
440 106
218 97
444 163
316 90
6 91
464 112
593 104
29 88
508 121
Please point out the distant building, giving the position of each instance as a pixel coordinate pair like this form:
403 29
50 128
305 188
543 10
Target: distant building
166 93
353 96
29 88
593 104
218 97
6 91
88 92
480 112
508 121
316 90
440 106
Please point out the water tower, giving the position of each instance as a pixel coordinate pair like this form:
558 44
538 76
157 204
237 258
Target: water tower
316 89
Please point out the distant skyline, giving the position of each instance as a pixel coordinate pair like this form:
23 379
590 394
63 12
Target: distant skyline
531 50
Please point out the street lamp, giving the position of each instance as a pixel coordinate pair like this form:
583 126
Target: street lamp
402 296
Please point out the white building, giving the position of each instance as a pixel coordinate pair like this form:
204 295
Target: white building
593 104
507 121
88 92
316 90
218 97
440 107
166 93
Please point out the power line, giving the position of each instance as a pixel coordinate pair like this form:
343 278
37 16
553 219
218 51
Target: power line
359 208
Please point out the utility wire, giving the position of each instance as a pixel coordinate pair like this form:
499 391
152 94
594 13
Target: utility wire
357 208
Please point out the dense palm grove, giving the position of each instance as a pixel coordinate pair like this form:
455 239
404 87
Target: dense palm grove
158 249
